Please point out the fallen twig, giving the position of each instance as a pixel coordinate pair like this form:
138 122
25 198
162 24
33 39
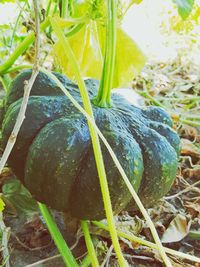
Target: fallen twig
38 263
27 247
27 89
107 257
144 242
184 191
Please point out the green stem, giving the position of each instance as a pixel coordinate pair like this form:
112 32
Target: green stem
142 241
194 234
89 244
95 140
48 8
148 96
185 116
182 100
190 122
74 29
103 97
5 79
71 8
55 8
86 261
57 237
64 9
5 67
18 68
22 48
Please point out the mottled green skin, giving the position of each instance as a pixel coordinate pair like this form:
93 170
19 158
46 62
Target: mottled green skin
40 111
43 85
53 154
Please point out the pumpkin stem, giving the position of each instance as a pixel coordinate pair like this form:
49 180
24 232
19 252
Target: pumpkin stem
103 97
64 8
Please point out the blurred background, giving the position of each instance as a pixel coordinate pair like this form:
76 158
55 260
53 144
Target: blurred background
155 26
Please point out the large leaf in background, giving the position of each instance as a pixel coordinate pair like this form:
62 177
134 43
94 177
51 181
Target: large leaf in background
92 9
19 197
129 60
87 51
66 23
184 7
88 47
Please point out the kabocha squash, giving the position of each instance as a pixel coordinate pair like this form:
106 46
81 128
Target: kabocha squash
53 154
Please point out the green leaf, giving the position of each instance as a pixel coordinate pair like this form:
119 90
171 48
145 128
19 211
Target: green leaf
66 23
19 197
80 8
2 205
88 47
85 46
184 7
7 1
129 60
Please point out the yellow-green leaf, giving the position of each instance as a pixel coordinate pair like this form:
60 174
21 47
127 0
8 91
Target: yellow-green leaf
129 59
88 47
7 1
184 7
2 205
65 23
85 46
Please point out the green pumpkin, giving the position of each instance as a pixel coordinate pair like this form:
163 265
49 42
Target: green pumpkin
53 154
